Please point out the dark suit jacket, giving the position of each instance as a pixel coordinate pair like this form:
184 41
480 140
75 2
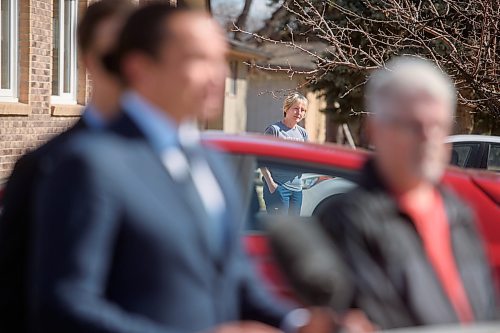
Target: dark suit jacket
15 224
395 282
121 246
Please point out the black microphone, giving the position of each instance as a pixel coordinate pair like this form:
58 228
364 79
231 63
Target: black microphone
310 261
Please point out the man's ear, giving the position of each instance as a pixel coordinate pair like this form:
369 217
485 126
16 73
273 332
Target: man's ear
135 66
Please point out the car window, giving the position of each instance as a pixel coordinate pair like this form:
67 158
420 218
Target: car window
301 190
494 157
462 152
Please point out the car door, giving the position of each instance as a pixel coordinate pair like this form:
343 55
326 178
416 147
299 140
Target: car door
319 164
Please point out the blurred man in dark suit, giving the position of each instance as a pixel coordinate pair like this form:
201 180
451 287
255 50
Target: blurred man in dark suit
412 245
143 222
97 32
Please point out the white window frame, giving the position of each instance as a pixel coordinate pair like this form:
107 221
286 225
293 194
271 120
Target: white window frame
62 97
10 95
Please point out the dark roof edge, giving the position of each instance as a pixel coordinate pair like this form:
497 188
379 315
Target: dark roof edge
252 51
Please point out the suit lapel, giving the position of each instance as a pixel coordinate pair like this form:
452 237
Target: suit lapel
233 210
470 265
79 125
125 127
192 203
190 199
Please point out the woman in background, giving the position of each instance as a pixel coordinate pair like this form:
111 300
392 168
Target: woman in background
283 188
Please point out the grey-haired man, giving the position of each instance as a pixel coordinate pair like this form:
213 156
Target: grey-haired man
411 244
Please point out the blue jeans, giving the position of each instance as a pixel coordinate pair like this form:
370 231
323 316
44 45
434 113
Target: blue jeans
283 201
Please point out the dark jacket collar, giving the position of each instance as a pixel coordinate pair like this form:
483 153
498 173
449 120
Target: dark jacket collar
371 178
371 181
124 126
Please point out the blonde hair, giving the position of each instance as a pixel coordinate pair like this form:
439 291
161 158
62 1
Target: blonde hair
291 99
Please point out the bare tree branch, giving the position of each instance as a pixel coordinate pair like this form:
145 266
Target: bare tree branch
460 36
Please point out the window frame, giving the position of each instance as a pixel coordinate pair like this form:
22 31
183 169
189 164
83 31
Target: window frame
473 159
233 69
491 146
68 97
11 94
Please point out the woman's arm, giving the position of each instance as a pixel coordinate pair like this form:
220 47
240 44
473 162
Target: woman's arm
271 184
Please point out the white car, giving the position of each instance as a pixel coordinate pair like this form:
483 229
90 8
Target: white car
475 151
318 189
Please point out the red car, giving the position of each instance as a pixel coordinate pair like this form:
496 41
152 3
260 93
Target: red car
334 170
340 166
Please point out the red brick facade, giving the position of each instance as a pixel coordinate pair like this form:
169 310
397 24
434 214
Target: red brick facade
33 119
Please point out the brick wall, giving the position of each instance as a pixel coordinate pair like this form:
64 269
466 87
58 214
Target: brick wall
33 120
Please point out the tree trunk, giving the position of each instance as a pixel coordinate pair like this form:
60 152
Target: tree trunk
272 27
331 129
242 19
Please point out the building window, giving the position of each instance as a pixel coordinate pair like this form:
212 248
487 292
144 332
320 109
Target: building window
233 88
8 50
64 63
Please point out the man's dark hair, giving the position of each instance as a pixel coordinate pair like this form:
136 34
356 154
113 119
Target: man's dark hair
96 13
143 32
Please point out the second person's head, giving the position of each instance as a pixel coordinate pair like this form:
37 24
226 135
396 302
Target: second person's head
294 108
175 58
412 103
98 31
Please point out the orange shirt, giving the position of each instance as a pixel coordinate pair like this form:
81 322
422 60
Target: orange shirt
433 227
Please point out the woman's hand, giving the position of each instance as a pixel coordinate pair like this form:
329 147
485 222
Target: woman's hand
272 186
